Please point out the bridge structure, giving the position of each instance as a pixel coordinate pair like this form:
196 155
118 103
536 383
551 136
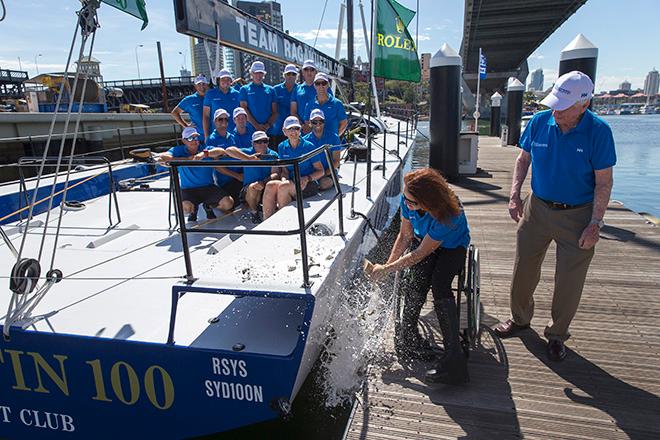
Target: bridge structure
508 32
148 91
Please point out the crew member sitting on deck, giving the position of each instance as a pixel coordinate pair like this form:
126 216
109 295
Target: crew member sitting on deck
258 100
434 224
193 105
279 193
223 96
228 178
319 137
242 133
196 182
336 120
255 178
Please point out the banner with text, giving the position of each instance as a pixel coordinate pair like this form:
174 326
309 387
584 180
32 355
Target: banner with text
239 30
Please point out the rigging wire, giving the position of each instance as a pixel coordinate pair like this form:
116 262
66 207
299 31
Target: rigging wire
318 31
4 10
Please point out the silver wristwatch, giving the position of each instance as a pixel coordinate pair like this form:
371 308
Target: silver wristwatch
600 222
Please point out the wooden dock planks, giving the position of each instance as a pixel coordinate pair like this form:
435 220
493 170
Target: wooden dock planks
607 388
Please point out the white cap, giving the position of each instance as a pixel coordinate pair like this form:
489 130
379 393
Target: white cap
570 88
316 113
290 68
239 111
259 135
291 121
308 64
223 73
220 112
201 79
188 132
322 77
258 66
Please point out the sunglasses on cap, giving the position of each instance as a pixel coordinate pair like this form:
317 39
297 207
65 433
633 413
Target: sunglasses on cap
317 122
191 138
261 141
320 83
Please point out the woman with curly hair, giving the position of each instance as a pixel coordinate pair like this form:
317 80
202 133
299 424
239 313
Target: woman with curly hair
434 227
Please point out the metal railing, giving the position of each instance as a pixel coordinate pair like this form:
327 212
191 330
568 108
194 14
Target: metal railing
150 82
302 224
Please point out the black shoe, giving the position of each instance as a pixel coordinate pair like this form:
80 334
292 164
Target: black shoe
556 350
209 212
192 217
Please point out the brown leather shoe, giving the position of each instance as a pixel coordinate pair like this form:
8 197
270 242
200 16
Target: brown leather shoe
508 329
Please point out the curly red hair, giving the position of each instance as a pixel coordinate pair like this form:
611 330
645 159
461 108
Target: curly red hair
432 192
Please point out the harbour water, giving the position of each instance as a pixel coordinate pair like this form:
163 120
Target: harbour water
637 172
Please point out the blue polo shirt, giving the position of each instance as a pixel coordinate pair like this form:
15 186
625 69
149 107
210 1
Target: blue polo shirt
334 112
563 164
305 94
326 138
217 140
260 99
255 174
452 234
243 140
216 99
194 106
286 151
192 177
283 98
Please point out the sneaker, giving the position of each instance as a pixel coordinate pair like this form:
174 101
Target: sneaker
556 350
209 212
192 217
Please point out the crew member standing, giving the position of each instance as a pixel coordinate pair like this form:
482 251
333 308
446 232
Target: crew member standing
193 105
333 109
305 93
223 96
284 92
572 154
258 100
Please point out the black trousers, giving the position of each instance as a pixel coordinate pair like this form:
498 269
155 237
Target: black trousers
437 272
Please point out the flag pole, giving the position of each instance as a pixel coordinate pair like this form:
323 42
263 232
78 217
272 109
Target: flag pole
372 55
476 103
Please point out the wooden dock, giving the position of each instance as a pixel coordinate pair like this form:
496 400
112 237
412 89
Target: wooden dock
607 388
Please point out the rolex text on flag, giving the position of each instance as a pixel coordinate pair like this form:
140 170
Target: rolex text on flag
395 52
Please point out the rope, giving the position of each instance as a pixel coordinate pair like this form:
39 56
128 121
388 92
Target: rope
318 31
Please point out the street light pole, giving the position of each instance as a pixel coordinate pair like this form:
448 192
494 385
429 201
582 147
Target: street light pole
20 66
137 60
36 63
183 66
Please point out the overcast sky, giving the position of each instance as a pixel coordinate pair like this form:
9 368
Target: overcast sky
626 33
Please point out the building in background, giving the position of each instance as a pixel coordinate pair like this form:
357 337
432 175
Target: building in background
537 81
200 62
426 67
651 83
92 67
625 86
269 12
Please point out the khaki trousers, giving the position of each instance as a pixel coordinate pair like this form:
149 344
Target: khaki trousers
538 227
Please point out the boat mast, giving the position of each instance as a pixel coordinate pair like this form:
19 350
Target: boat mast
350 49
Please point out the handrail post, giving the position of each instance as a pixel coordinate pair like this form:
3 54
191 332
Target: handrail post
301 225
384 149
340 199
121 144
398 137
182 221
407 130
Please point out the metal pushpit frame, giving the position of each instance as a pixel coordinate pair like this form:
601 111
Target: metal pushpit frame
302 224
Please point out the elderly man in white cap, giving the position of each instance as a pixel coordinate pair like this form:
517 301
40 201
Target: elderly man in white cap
335 114
305 93
222 96
284 92
572 154
193 105
280 192
319 137
258 100
242 132
255 178
197 186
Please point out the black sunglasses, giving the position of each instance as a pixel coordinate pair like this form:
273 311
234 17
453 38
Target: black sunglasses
412 202
261 141
321 122
191 138
222 119
321 83
293 128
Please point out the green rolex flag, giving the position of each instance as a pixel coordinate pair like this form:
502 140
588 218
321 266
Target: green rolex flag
136 8
396 54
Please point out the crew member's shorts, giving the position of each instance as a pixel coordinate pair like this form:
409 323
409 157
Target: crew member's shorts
244 193
209 195
311 189
233 189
